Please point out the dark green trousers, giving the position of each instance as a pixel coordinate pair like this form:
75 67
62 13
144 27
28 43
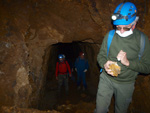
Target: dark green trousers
106 89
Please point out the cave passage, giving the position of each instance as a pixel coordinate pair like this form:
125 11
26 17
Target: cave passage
71 52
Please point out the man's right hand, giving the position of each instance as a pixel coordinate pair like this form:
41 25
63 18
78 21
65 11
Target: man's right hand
107 69
56 78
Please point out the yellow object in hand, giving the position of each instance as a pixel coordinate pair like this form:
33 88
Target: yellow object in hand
115 68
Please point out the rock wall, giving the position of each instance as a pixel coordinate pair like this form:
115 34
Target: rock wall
27 31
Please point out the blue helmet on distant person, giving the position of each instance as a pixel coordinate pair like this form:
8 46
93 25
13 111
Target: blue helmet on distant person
60 56
124 14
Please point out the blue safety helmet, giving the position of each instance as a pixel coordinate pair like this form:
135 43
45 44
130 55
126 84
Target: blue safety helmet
60 56
124 14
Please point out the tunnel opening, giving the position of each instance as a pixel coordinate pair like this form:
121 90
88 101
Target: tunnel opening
71 52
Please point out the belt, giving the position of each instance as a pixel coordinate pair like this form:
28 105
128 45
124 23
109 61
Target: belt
62 73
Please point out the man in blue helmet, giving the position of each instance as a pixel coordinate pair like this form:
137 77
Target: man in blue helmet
62 70
124 50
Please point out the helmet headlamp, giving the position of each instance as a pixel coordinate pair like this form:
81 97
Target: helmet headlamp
60 57
115 16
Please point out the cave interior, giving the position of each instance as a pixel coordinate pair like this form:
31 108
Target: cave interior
32 35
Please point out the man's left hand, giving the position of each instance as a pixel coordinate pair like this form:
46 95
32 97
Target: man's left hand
85 70
122 57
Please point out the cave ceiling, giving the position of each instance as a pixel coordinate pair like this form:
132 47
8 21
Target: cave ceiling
61 20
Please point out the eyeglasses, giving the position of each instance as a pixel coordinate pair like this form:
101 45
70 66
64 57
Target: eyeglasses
124 28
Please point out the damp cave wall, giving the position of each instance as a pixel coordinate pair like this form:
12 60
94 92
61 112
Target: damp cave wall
28 28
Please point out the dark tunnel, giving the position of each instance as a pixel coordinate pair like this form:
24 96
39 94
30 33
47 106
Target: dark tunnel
71 52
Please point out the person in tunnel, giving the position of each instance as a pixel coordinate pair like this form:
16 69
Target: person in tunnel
124 50
81 66
62 70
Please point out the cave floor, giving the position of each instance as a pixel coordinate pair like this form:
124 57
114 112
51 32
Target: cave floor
77 101
73 102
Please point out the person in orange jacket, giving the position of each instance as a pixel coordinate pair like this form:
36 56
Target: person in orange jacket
62 70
